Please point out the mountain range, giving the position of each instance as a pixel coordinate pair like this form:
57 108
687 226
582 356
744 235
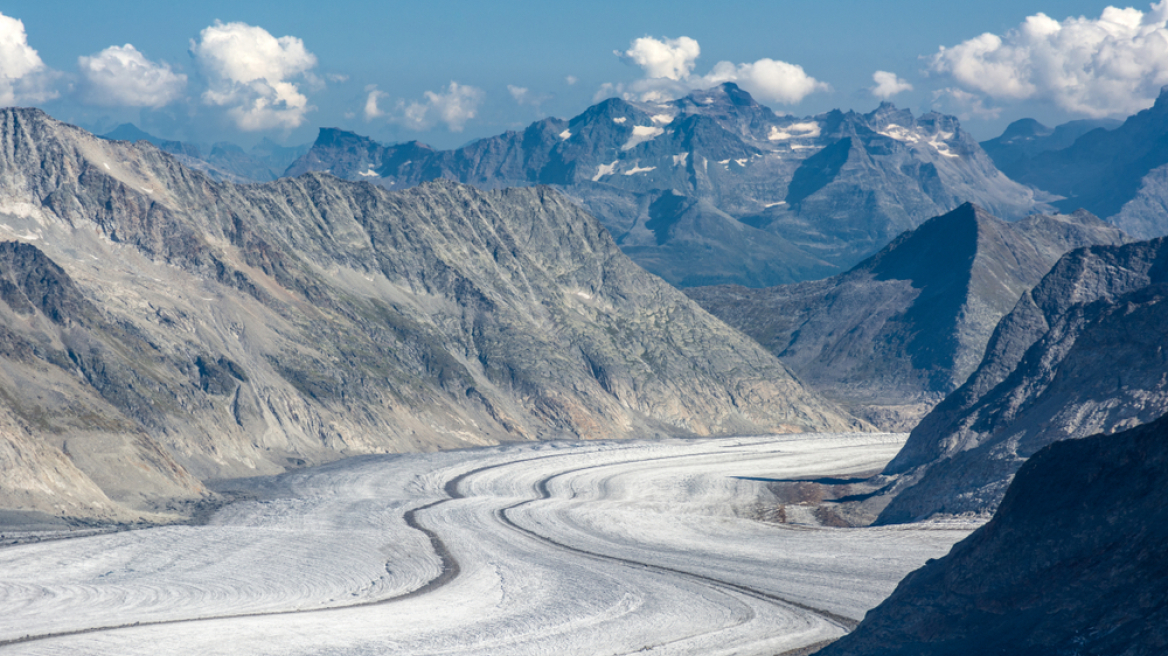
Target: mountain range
892 336
223 160
160 328
715 178
1119 174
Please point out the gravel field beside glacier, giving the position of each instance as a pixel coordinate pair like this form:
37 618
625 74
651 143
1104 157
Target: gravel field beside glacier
544 548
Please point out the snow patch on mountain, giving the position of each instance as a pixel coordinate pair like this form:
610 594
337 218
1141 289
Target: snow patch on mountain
641 134
805 130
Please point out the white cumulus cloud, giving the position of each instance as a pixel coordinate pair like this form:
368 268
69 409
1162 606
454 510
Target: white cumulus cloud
672 59
668 65
452 106
251 72
120 75
371 110
1113 64
24 78
888 85
525 96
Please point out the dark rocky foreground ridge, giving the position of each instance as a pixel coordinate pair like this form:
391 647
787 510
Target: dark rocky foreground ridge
895 334
759 199
159 328
1081 353
1073 562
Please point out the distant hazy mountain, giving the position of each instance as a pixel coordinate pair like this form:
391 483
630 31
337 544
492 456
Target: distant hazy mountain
895 334
715 188
1084 352
1073 562
1120 175
1026 138
224 161
159 328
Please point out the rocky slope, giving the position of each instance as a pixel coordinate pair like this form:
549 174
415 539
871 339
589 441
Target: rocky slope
1120 175
1081 353
214 330
1073 562
758 199
895 334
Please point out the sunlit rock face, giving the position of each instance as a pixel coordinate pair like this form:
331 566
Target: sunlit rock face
160 328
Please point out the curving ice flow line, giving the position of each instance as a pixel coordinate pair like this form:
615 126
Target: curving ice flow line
612 548
541 488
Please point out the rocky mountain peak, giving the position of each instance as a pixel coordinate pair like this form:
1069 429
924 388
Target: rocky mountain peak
898 331
1025 128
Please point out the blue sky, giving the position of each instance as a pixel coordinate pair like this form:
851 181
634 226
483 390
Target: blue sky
513 62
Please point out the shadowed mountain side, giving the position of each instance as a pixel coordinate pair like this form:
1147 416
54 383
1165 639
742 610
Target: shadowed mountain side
816 194
694 243
1079 354
1117 174
1026 138
244 329
892 336
1073 562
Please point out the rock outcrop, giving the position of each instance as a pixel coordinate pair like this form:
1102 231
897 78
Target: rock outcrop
168 328
714 188
1081 353
1073 562
895 334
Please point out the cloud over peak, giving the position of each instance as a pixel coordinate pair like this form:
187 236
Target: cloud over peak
669 63
888 85
122 76
24 78
452 107
672 59
250 72
1114 64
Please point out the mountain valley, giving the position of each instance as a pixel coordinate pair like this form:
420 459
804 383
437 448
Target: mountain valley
163 329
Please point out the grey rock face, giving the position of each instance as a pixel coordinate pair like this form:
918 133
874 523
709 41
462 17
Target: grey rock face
715 188
1079 354
894 335
227 330
1073 562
